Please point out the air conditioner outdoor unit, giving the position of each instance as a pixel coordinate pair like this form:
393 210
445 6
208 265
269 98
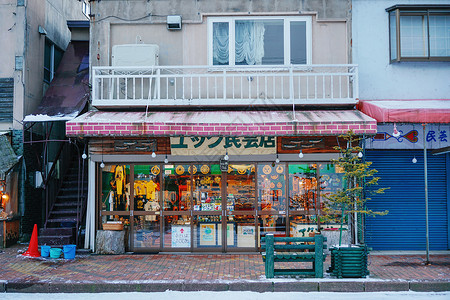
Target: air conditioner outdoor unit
135 55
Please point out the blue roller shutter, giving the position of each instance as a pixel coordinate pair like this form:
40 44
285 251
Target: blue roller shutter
404 227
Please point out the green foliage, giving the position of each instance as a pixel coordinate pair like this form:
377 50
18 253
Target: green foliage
358 178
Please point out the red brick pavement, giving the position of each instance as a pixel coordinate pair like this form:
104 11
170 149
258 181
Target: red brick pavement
187 267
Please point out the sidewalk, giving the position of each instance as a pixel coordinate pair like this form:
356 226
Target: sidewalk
216 272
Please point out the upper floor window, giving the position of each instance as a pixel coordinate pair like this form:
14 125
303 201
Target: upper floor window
52 58
419 33
86 9
259 41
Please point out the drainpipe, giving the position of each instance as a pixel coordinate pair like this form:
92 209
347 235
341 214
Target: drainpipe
427 262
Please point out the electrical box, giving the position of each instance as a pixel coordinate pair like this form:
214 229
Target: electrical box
174 22
135 55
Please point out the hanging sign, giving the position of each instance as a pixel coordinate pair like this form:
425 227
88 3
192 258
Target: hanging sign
222 145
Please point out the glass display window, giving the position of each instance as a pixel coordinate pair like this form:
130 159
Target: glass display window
303 187
274 224
177 231
147 233
271 187
241 183
147 187
208 231
115 193
331 180
207 182
177 187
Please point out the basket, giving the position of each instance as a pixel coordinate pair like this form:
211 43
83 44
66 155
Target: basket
112 226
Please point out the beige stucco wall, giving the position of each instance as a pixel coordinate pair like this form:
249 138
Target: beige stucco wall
19 36
121 22
329 45
189 46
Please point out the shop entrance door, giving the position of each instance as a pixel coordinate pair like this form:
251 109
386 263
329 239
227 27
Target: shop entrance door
207 209
240 209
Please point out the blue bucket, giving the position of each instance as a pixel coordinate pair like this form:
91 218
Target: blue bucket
69 251
55 252
45 251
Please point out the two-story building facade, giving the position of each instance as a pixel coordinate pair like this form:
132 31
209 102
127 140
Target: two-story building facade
402 49
214 122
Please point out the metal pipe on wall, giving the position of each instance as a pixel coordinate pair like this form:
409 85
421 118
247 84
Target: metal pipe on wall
427 262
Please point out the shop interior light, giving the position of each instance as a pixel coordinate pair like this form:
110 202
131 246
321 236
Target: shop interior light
360 154
5 197
300 155
153 154
102 165
166 160
226 157
84 156
414 160
277 160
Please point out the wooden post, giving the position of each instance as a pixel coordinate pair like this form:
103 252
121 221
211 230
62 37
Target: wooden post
269 256
318 249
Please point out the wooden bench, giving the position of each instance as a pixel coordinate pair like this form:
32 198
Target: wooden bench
293 249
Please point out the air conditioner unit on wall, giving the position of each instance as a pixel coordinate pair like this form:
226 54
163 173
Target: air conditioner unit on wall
135 55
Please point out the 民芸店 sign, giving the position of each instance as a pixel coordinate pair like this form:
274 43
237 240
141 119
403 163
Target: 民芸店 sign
222 145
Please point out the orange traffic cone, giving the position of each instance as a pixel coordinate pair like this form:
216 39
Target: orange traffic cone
33 247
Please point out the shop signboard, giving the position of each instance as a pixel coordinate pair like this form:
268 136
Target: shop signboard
181 236
411 136
222 145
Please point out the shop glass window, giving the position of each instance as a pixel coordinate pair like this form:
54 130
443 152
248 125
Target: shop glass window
419 33
241 187
147 231
303 187
330 181
146 188
177 231
260 41
271 187
176 187
207 231
207 181
115 194
52 57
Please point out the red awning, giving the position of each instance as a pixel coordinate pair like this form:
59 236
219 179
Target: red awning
407 111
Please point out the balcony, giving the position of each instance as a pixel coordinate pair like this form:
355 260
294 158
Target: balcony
219 86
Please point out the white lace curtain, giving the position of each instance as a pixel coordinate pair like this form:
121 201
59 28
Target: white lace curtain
220 43
249 42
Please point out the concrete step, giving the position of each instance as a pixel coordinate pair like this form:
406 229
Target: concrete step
55 240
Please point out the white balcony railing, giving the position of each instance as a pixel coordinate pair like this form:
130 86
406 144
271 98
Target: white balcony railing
224 86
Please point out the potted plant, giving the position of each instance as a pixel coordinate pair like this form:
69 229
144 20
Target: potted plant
350 260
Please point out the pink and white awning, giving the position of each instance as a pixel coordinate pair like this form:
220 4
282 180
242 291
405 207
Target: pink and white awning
220 123
407 111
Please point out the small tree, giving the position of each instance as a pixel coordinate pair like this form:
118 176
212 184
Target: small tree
358 177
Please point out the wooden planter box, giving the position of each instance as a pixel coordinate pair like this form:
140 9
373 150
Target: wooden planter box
349 262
